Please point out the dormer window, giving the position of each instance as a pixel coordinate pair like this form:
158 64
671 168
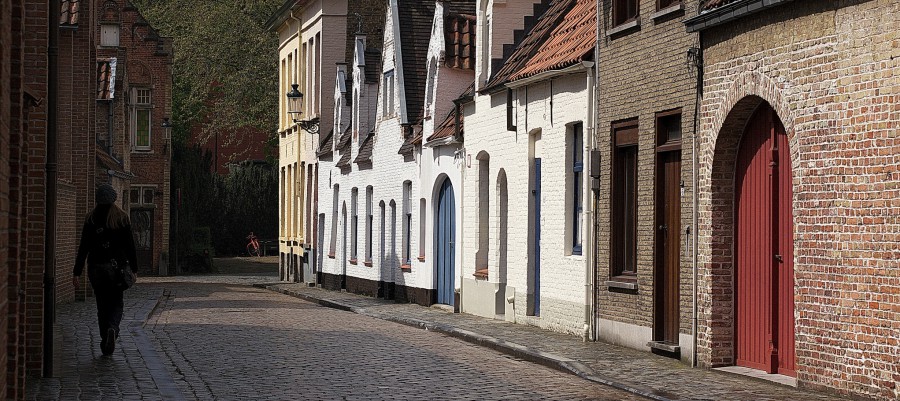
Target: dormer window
387 101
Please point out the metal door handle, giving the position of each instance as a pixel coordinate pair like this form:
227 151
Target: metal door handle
663 227
779 258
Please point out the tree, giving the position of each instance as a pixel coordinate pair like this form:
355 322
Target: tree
225 66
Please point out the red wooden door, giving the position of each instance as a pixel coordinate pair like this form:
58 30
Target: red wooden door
764 335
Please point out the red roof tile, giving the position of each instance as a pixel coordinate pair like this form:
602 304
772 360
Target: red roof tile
568 43
564 35
106 79
68 14
459 35
447 128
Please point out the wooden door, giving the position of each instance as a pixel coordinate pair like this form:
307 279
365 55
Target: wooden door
444 236
764 335
668 251
142 229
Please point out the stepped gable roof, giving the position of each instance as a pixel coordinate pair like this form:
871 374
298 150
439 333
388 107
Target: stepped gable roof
570 42
459 34
365 149
568 26
415 18
68 13
326 144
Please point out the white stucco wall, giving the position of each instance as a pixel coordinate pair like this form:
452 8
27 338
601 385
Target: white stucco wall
563 276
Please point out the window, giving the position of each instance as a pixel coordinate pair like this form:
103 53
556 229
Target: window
484 205
354 218
624 199
577 142
387 101
109 35
407 222
510 110
140 195
668 130
369 224
624 11
283 193
332 245
140 119
422 229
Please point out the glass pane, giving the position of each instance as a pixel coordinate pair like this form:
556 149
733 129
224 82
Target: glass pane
142 128
630 208
135 195
578 147
148 196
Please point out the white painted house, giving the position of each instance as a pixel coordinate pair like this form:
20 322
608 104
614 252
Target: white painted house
527 241
451 72
370 221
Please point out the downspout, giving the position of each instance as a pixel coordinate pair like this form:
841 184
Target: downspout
695 206
50 190
590 258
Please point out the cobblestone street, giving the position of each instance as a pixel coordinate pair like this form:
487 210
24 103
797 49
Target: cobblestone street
222 339
244 336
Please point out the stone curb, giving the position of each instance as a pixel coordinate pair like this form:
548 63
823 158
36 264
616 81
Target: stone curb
510 348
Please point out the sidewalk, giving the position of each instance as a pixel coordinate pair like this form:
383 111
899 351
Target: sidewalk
133 372
641 373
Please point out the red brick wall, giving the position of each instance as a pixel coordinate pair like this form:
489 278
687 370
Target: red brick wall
831 75
66 241
34 180
5 128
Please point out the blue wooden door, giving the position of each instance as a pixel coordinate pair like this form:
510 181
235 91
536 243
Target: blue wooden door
444 235
537 236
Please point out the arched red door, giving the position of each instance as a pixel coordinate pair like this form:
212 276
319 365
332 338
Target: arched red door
764 329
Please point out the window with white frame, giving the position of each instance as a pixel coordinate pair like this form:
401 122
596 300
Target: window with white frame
140 119
332 245
141 195
369 224
387 101
407 222
354 218
577 166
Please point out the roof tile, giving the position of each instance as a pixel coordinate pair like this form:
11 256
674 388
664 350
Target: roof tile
326 144
415 17
563 36
68 13
365 149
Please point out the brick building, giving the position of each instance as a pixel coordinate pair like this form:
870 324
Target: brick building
115 92
646 100
798 172
24 74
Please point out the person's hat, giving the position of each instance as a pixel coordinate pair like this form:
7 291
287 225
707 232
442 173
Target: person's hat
106 194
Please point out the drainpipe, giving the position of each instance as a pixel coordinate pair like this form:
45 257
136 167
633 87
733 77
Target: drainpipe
50 190
695 234
590 258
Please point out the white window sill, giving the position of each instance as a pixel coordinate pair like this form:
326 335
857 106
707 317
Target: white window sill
623 28
667 11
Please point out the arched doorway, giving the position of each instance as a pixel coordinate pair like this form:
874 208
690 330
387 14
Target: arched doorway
763 246
444 237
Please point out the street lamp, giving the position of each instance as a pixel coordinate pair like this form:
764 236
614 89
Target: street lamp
295 101
167 133
167 127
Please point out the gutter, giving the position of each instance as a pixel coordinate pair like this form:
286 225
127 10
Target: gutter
582 66
729 12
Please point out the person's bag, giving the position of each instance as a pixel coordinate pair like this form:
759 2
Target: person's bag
111 275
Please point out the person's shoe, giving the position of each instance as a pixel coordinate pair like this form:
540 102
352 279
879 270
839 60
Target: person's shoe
109 345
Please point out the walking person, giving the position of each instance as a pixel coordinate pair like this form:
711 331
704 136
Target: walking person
107 244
